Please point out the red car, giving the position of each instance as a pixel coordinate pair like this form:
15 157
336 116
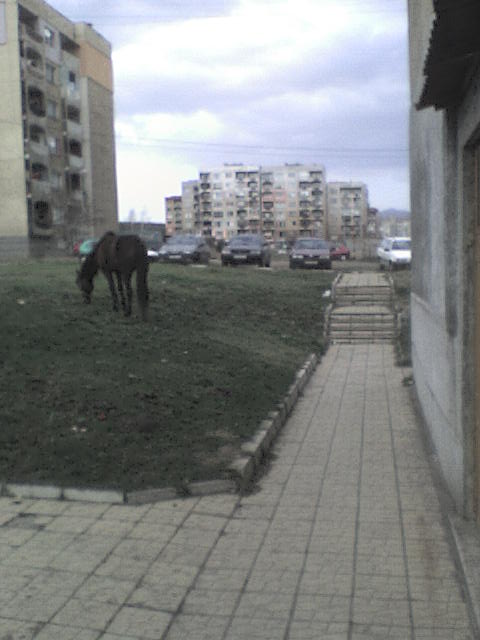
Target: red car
339 253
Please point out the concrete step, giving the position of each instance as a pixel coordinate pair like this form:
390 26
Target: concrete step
384 295
366 318
370 340
361 337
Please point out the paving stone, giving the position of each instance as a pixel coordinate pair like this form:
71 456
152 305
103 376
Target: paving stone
345 522
139 623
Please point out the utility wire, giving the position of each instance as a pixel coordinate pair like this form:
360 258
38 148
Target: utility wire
161 142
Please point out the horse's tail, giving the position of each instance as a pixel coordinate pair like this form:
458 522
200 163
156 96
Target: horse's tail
142 284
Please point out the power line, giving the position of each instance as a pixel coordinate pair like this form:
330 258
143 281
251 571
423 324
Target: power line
221 146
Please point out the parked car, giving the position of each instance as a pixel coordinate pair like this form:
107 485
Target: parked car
86 247
247 248
394 252
185 249
310 252
152 255
339 253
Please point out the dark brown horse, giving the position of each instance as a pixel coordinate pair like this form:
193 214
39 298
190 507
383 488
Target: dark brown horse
119 255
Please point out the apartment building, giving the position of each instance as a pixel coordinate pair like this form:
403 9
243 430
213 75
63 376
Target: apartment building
294 201
347 204
173 215
282 202
190 205
57 158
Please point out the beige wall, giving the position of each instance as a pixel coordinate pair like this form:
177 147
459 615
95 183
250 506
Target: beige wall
13 214
95 65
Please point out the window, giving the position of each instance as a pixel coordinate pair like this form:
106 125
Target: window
56 179
52 109
58 216
73 114
53 145
49 36
50 73
75 182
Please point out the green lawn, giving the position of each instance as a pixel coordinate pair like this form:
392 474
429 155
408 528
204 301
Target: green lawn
90 398
401 283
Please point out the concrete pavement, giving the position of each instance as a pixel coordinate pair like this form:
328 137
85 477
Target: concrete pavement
343 538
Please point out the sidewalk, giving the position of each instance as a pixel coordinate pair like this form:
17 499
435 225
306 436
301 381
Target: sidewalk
343 539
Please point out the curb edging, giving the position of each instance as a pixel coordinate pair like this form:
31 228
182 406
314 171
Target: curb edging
240 472
244 468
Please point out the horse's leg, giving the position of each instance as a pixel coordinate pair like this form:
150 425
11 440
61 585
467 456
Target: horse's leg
128 284
142 288
113 291
120 289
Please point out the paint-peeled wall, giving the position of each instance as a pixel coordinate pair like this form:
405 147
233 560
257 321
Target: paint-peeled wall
13 214
438 332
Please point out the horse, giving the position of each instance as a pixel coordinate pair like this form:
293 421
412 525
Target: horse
120 255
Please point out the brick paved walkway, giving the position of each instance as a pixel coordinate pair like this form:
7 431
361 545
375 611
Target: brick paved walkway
344 539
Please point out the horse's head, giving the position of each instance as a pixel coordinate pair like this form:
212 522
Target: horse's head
85 284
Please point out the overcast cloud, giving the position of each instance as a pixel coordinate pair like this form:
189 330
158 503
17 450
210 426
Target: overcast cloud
255 81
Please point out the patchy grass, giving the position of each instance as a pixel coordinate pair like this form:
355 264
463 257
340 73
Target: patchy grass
401 282
89 398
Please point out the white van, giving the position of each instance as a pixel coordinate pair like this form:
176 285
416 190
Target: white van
394 252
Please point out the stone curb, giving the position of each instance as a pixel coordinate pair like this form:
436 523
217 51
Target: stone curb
338 277
254 450
240 471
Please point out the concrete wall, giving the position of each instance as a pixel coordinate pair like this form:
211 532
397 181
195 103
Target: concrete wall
97 93
13 212
442 267
99 141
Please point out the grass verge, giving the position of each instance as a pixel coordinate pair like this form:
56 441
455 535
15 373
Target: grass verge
89 398
401 283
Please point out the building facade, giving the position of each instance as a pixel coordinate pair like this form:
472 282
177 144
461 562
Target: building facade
190 205
173 215
445 206
57 158
281 201
348 212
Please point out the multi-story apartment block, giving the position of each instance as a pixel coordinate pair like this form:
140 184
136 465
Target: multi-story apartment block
279 201
190 205
347 204
57 157
173 215
293 201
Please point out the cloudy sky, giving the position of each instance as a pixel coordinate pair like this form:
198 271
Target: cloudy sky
198 84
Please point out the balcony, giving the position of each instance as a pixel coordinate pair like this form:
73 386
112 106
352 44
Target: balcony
41 218
75 162
71 94
38 150
29 33
36 102
40 189
33 63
